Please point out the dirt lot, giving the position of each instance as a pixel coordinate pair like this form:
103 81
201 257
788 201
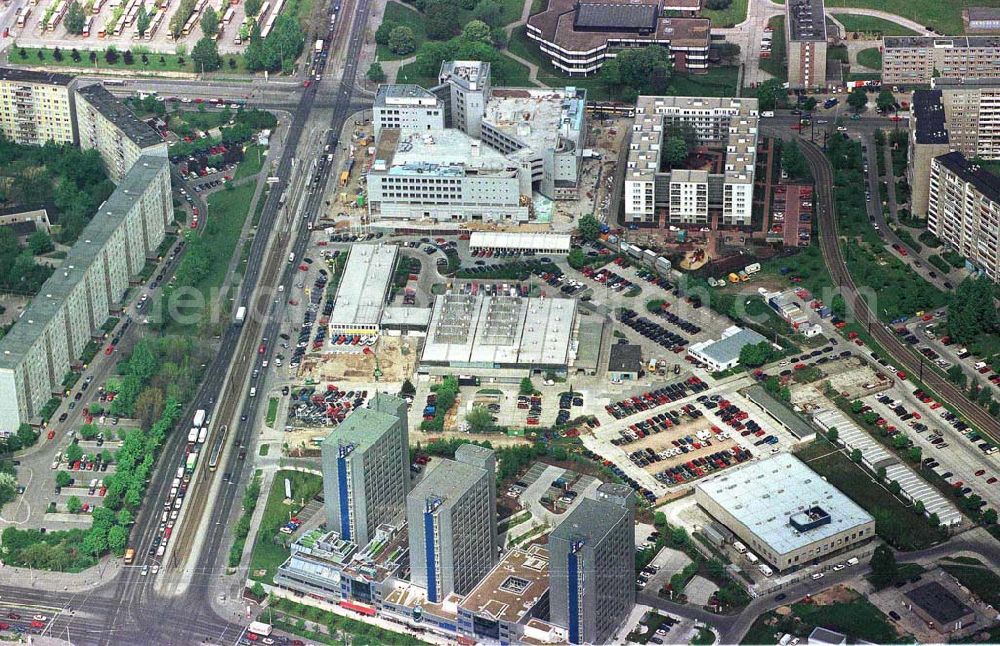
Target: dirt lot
397 357
848 377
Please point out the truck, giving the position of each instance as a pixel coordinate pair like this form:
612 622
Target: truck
259 628
193 435
344 177
241 315
202 435
192 461
752 268
130 556
199 417
319 45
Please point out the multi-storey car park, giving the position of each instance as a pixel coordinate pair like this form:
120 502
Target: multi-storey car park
919 59
577 37
655 195
36 107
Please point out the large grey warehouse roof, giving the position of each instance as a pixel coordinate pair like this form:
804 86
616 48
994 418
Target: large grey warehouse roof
118 113
29 76
763 496
727 349
362 290
448 481
616 15
54 291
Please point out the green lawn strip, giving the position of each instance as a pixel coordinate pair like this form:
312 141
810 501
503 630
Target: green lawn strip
943 17
775 64
361 633
272 411
519 75
870 58
185 123
269 546
731 16
858 618
253 161
407 74
892 518
872 24
402 16
980 579
171 62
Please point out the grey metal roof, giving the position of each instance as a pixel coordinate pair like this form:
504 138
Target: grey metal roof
31 76
364 427
616 16
361 293
402 91
821 635
983 13
449 481
929 117
727 349
625 357
54 291
118 113
589 522
938 602
764 495
985 182
778 410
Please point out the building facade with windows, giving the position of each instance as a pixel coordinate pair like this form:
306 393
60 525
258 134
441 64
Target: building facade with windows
366 469
36 107
964 211
77 299
805 35
656 195
107 125
920 59
592 566
408 107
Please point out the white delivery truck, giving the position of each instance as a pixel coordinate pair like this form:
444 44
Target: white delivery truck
739 547
241 315
752 558
199 417
202 435
193 435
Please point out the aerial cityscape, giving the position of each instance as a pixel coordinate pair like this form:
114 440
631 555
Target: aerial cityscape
499 322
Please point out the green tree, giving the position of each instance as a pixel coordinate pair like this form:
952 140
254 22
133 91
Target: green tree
402 41
489 12
768 94
39 242
576 258
971 312
915 454
808 104
956 375
883 564
589 227
756 354
252 7
856 455
918 507
476 31
383 31
375 73
527 388
933 520
885 101
858 99
117 539
257 590
479 420
793 161
989 517
675 152
63 479
124 518
73 453
75 18
441 21
832 435
73 505
209 23
142 19
205 55
407 388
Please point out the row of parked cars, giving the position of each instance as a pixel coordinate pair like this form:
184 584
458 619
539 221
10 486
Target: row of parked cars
608 278
654 278
679 321
699 467
620 473
325 408
653 331
653 398
660 422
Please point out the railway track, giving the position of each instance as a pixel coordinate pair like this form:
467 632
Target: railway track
900 353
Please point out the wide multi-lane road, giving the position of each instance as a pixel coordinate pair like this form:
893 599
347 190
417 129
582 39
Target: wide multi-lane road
901 355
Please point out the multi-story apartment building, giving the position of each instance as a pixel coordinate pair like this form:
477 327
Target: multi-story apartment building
918 59
651 190
592 566
964 211
805 35
408 107
981 20
452 537
366 469
106 124
577 37
36 107
76 300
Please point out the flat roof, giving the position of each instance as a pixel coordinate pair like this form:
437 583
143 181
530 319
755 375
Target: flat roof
727 349
315 551
404 94
119 114
406 316
18 75
983 13
617 15
940 42
527 241
939 603
513 587
489 330
54 291
806 20
447 482
928 120
444 152
779 411
471 75
985 182
625 357
764 496
361 429
539 119
589 522
363 287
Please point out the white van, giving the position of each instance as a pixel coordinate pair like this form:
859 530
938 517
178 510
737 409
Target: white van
765 570
291 257
253 391
752 557
739 547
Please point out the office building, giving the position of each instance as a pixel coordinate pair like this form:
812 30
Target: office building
451 518
919 59
625 362
592 566
784 512
981 20
107 125
805 38
657 196
963 211
577 37
724 353
408 107
363 290
36 107
466 86
73 304
499 609
366 469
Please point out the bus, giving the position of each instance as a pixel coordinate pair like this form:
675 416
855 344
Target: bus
130 556
112 82
213 458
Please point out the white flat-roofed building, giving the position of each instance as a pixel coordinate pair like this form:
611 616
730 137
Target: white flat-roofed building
784 511
363 290
724 353
504 337
512 241
408 107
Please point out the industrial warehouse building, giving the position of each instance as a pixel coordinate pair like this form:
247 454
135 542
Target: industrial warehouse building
363 290
501 337
541 243
784 511
76 300
36 107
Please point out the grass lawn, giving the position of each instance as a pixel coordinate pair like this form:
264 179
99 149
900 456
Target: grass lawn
943 17
404 16
870 58
406 74
775 65
871 24
520 75
763 630
268 554
272 411
728 17
854 481
858 618
171 62
253 161
720 81
983 582
184 123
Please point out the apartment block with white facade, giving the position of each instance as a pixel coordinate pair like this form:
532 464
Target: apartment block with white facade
76 300
36 107
964 211
106 124
919 59
651 189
